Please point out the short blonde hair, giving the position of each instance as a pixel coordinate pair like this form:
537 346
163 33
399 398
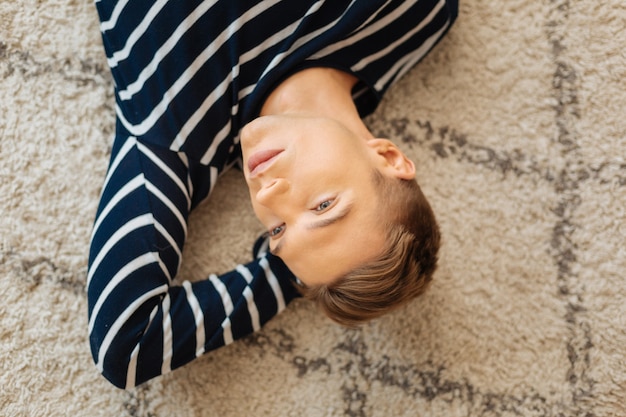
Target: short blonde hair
401 272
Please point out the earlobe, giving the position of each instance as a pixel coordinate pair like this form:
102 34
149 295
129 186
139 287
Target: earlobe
394 161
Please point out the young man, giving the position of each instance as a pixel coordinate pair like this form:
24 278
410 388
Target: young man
327 191
198 83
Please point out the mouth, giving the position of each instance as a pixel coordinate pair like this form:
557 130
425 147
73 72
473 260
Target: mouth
260 160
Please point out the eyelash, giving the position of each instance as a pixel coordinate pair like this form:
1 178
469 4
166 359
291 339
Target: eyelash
319 208
277 230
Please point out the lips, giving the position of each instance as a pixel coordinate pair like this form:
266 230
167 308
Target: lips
261 159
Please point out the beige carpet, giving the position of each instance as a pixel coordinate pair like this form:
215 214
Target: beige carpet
517 125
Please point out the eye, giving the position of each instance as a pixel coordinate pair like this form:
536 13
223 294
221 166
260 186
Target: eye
277 230
324 205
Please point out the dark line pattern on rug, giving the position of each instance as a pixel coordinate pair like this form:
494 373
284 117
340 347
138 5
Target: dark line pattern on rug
427 381
35 271
567 187
82 72
417 381
446 142
137 403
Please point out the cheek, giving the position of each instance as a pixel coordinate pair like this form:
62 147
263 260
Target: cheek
261 213
266 217
320 169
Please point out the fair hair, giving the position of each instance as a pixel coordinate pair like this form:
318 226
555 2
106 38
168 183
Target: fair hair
401 272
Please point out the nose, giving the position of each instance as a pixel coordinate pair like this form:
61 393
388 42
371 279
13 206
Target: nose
272 192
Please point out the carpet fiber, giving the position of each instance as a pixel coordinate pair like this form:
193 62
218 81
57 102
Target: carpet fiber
516 124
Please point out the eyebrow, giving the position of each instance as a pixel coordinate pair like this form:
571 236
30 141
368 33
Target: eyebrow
340 215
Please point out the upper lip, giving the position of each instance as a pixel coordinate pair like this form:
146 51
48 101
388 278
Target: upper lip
259 160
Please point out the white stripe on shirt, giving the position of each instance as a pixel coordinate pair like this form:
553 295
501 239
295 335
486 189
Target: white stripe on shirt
252 309
159 109
131 371
168 342
227 302
385 51
166 170
271 279
126 270
121 320
110 24
128 188
411 59
198 316
134 87
249 295
133 224
130 142
136 34
168 203
167 236
370 30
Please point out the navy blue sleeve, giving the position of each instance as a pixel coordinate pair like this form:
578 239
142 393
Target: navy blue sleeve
142 325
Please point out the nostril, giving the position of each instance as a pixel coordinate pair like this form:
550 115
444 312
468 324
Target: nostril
271 190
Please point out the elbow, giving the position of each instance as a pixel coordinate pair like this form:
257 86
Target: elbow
112 365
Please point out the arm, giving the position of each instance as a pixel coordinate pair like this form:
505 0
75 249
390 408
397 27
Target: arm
141 325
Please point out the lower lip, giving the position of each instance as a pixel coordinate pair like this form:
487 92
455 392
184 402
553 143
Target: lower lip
260 160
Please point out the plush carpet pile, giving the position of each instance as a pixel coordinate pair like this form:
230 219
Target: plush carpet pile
517 125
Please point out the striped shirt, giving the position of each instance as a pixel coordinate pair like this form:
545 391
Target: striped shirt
189 74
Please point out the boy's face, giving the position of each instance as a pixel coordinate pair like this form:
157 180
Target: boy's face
310 182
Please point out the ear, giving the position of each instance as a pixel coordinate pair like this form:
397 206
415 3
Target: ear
393 161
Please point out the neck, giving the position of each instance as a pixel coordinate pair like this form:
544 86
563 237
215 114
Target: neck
318 92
